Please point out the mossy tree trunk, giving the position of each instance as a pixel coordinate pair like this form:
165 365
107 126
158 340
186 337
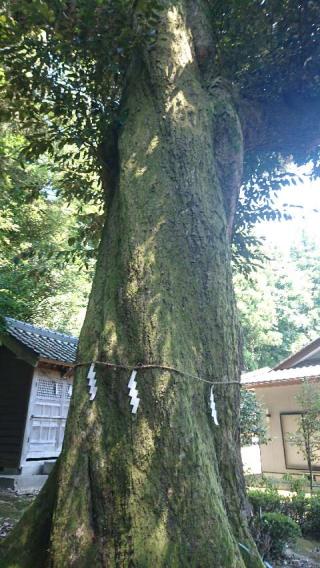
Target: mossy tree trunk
164 487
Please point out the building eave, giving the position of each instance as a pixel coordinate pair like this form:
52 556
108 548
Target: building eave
20 350
280 383
300 356
55 362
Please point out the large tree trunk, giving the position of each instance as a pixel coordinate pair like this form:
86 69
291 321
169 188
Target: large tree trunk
164 487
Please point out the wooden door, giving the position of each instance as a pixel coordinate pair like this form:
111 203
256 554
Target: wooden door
49 407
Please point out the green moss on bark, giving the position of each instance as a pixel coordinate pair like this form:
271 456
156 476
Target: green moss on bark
164 487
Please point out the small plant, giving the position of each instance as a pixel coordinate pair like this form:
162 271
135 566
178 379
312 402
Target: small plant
296 484
311 521
272 532
281 529
259 480
264 501
296 508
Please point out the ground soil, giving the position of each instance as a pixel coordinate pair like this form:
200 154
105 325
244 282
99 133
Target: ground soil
304 554
11 508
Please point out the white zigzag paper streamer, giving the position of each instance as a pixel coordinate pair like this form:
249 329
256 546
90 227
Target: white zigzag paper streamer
133 393
92 381
213 408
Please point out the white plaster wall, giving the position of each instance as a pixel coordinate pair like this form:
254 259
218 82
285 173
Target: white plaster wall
251 459
277 399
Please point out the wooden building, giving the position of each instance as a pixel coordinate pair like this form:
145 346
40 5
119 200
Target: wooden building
277 390
34 395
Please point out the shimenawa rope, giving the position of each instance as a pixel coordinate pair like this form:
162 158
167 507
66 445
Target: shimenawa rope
144 367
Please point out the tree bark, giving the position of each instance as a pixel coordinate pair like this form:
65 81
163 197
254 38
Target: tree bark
163 487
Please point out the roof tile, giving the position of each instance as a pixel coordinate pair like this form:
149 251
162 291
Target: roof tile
47 344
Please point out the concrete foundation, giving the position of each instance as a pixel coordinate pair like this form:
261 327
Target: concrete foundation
23 484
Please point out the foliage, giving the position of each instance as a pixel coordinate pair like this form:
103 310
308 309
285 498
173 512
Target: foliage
256 203
270 527
280 304
66 66
297 507
38 270
285 33
311 523
301 508
273 524
252 419
258 481
305 510
264 501
296 483
269 49
274 531
307 435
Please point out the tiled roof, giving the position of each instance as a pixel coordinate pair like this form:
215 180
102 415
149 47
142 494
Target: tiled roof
267 376
47 344
307 352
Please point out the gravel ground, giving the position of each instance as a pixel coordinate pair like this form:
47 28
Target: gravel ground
300 561
304 554
296 561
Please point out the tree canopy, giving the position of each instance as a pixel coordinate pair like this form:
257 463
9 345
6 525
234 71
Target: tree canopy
158 110
66 66
39 262
253 427
279 305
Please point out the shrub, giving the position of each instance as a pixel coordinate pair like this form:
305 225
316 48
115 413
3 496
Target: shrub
281 529
272 531
305 511
276 518
296 484
264 501
311 522
259 480
297 508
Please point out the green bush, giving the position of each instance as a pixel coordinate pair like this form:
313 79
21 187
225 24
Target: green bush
296 507
311 522
264 501
287 514
305 511
272 531
281 529
296 484
259 480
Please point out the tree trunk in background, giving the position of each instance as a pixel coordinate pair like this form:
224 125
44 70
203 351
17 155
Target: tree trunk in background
162 488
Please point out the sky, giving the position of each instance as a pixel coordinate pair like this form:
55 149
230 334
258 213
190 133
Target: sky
306 215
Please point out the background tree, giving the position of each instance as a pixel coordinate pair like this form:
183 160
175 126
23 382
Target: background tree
307 435
40 259
252 419
167 104
279 303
